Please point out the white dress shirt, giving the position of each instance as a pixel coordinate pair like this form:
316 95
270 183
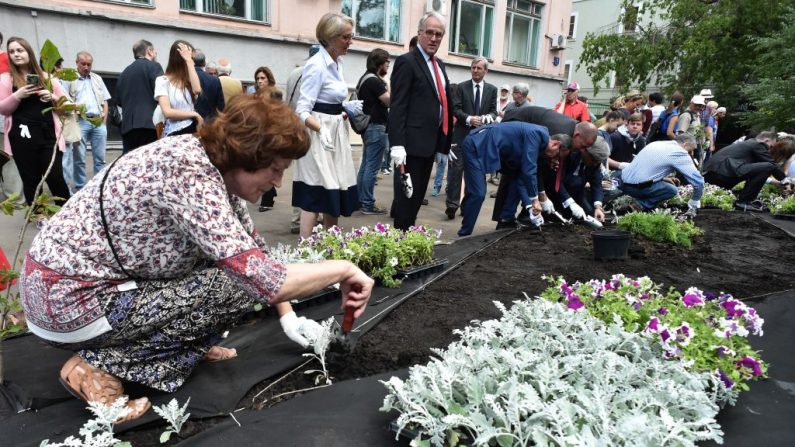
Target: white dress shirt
321 81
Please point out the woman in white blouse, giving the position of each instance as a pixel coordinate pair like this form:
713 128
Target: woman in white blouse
176 91
325 178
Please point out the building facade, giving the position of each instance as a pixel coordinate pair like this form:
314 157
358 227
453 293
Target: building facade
521 38
598 17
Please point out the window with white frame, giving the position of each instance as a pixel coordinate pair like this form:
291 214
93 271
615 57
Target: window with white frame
376 19
471 27
256 10
573 25
523 32
567 70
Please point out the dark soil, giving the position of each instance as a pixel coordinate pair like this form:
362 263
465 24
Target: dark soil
738 254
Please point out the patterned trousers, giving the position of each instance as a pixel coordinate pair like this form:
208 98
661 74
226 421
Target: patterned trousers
163 329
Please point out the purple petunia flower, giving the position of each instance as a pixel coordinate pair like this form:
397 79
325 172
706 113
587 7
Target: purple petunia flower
751 363
575 303
653 324
709 296
665 335
725 379
691 300
662 311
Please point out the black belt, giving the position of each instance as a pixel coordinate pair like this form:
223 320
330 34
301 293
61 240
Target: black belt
328 109
643 185
92 116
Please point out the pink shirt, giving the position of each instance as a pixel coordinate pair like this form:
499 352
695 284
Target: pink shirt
168 209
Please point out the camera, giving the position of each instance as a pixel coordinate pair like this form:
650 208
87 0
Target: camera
32 79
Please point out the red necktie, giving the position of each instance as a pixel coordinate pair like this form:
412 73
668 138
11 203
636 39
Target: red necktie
442 95
559 176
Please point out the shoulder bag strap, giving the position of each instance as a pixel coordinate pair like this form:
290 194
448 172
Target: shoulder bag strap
297 83
105 221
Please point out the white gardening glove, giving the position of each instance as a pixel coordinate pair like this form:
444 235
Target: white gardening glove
623 165
693 204
487 119
291 325
398 155
353 106
547 207
787 181
326 140
536 219
310 329
576 210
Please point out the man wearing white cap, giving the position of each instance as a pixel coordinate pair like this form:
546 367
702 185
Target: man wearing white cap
571 106
503 100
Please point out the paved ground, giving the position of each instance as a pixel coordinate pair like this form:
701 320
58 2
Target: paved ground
274 225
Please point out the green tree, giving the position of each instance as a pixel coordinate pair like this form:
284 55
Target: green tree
687 45
772 89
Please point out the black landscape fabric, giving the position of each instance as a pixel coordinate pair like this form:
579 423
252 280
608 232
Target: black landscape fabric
344 414
214 388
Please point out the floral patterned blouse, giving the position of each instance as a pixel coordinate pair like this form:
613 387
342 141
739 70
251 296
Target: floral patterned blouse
167 210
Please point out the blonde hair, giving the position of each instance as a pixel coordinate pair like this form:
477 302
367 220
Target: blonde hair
330 26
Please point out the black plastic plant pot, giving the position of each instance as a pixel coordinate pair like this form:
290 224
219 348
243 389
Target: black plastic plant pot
610 245
784 216
323 296
406 435
419 271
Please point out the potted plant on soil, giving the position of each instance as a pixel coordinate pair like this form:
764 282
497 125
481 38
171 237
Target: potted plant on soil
660 227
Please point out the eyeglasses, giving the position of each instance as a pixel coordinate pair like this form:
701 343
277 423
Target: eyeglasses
431 34
346 37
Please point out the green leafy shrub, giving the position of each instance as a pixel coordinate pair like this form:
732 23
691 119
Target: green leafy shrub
660 227
781 205
379 251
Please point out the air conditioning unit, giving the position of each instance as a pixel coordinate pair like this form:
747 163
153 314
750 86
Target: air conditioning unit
439 6
558 42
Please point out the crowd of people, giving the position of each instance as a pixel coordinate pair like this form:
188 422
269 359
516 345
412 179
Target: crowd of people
140 283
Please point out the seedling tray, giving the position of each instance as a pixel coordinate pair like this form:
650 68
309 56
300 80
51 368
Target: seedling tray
784 216
419 271
323 296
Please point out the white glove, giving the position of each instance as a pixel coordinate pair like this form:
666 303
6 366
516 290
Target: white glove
623 165
487 119
536 219
310 329
291 325
576 210
693 204
353 106
325 139
398 155
547 207
786 181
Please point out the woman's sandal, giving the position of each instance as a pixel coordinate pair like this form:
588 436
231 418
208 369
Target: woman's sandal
92 384
219 353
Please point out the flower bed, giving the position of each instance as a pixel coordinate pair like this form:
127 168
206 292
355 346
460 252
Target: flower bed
379 251
660 227
707 332
541 375
713 197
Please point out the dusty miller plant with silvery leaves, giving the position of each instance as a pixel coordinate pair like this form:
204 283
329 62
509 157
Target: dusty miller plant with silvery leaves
542 375
174 415
320 342
98 432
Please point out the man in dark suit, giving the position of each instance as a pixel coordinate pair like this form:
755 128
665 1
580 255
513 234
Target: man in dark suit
583 135
211 101
135 91
474 105
751 161
420 116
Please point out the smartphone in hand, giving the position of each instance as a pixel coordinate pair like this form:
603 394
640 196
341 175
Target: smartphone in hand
32 79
